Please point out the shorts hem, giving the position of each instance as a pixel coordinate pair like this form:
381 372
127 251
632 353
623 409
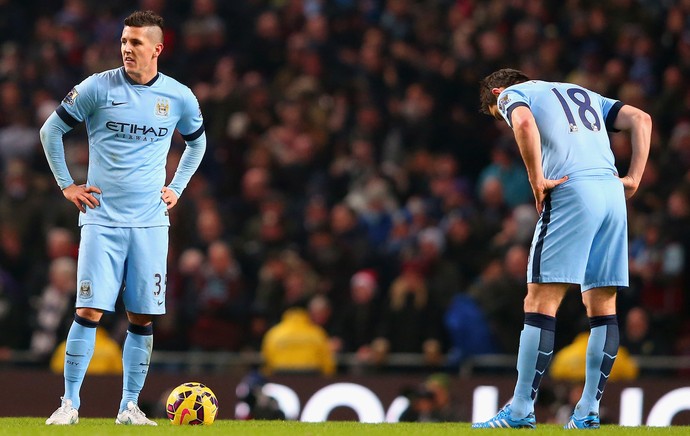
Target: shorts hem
589 286
96 307
542 279
146 312
583 287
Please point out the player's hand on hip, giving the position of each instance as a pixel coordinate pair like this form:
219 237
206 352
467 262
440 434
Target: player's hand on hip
630 186
542 189
169 197
82 196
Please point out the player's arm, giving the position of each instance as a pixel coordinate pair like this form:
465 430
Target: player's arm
529 142
639 123
189 162
51 134
191 126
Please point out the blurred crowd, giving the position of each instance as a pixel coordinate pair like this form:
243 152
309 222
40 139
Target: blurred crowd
349 172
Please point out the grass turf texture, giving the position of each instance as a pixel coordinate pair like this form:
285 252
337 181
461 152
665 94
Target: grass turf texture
105 427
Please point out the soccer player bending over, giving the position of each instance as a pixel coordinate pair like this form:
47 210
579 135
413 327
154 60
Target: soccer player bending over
581 236
130 113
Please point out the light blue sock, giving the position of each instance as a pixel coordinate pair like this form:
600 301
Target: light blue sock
602 349
81 340
136 355
534 355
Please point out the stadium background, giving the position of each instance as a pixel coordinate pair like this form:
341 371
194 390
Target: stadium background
344 140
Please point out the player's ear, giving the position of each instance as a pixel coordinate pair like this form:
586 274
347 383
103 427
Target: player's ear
496 91
157 50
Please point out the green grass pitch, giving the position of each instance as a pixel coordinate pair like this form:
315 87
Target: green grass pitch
105 427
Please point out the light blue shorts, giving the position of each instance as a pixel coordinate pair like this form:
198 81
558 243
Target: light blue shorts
128 259
581 236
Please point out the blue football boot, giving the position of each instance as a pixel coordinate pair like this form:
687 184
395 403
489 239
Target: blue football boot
503 420
589 422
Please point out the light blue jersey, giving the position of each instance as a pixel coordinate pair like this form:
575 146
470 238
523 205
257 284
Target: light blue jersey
573 123
581 235
124 239
130 127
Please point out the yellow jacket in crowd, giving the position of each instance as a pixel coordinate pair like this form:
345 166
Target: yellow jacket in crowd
296 344
569 363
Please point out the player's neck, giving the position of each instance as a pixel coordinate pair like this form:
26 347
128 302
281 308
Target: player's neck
144 78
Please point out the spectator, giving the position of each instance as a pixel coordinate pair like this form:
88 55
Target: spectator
410 322
640 338
500 294
444 401
221 302
53 310
510 173
440 275
296 344
467 330
431 401
356 322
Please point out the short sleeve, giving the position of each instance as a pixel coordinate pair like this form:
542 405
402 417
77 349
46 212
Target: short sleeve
609 109
191 123
80 102
508 100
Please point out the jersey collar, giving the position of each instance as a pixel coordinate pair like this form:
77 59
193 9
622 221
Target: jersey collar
132 82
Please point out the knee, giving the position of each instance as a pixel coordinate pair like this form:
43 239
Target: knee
90 313
600 302
541 304
139 319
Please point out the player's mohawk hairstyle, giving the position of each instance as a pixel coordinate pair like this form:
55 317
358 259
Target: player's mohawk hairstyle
144 19
498 79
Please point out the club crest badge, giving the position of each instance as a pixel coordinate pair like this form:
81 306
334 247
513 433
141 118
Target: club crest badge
70 97
162 107
503 103
85 290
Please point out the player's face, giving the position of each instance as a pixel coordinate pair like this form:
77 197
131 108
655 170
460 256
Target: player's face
140 49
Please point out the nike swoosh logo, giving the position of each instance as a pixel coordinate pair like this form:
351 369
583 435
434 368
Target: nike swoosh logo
182 415
118 103
73 355
144 364
159 302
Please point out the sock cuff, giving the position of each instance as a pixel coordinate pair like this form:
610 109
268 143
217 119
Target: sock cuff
85 322
539 320
141 330
598 321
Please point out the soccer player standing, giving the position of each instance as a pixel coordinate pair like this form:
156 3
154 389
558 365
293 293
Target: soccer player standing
130 113
581 235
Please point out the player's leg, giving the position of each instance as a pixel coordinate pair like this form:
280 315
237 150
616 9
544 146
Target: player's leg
144 296
607 269
602 349
536 342
80 343
558 257
99 278
136 356
78 351
534 354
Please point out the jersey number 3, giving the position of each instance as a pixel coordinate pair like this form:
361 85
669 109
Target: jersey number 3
584 109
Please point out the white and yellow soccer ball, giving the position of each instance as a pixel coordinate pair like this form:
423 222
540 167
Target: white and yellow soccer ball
192 403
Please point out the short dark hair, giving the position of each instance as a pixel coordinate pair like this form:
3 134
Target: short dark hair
144 19
498 79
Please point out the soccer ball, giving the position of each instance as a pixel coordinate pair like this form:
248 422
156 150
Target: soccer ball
192 403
